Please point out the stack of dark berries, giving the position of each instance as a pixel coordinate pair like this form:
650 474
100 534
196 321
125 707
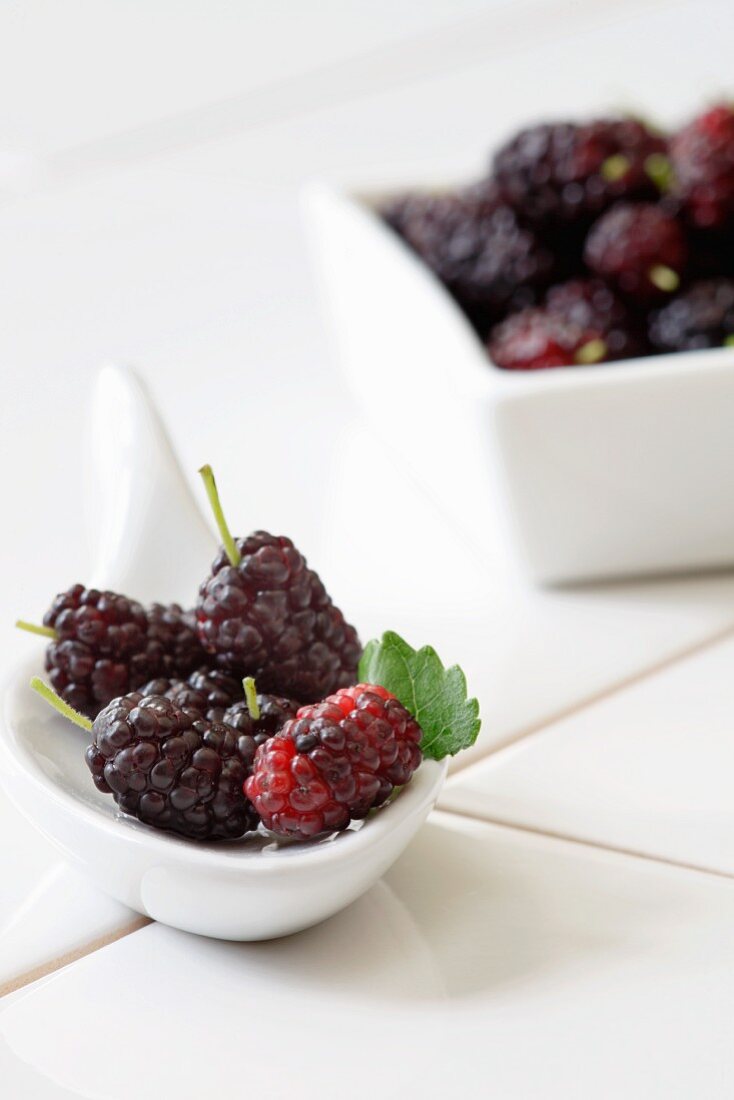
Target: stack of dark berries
246 710
589 242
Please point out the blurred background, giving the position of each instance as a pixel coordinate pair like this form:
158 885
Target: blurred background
151 160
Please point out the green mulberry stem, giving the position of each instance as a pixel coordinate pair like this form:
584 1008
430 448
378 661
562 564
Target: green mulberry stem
251 698
207 476
32 628
58 704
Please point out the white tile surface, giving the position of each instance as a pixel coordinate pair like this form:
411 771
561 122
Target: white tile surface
486 961
194 269
46 909
86 70
648 770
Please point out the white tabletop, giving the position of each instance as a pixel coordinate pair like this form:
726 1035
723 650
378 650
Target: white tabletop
561 926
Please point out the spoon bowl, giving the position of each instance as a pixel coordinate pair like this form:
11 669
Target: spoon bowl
251 889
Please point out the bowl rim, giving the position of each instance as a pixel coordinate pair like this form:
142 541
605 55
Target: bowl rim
16 756
623 371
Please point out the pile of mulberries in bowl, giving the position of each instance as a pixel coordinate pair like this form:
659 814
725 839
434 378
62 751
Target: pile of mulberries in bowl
258 710
589 241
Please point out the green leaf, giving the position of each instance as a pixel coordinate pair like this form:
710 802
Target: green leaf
434 695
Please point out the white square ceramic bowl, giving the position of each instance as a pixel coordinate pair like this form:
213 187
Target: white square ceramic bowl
608 470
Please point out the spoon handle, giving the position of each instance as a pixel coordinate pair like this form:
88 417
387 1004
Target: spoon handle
149 535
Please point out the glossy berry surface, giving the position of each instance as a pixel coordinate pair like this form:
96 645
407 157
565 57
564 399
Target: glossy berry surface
270 617
701 317
567 172
333 762
207 691
218 697
105 646
175 631
275 711
535 339
639 249
475 245
702 157
171 768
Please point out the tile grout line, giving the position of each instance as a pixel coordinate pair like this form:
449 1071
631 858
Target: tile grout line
60 961
593 845
600 696
140 922
52 965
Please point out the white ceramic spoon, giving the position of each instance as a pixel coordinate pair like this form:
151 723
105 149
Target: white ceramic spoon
154 544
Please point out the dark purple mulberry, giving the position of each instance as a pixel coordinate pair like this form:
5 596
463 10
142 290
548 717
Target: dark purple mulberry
100 649
274 713
700 317
263 613
638 248
565 172
476 247
105 645
208 691
218 697
171 768
175 630
270 617
593 307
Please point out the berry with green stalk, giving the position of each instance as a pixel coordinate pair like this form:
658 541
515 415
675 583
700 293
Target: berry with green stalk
259 716
263 613
568 173
535 339
102 644
218 697
206 690
167 766
702 316
338 759
640 249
